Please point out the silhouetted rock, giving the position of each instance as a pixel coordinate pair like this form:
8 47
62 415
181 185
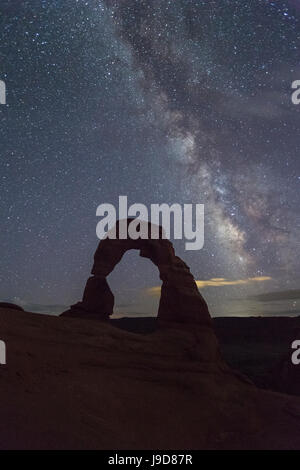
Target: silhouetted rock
73 384
9 305
98 300
180 300
286 377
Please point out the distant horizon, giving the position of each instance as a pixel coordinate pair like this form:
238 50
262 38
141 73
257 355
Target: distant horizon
271 299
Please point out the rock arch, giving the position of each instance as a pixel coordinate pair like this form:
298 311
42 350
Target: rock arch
180 301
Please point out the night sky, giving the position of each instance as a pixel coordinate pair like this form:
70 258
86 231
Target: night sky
179 101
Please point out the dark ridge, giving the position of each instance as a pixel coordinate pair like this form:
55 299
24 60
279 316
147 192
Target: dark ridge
9 305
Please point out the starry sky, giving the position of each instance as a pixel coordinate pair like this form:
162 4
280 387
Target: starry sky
184 101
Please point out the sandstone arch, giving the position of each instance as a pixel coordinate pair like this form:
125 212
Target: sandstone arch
180 300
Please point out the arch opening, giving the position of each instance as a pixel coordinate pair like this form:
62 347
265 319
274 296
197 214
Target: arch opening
130 283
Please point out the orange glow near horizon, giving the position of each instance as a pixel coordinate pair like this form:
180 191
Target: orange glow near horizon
217 282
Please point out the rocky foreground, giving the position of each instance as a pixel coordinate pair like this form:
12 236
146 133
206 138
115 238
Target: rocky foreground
71 383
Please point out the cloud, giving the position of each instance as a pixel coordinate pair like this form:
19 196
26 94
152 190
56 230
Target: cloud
220 281
281 313
217 282
291 294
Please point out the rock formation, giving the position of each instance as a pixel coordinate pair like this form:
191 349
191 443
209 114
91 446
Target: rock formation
76 384
180 300
9 305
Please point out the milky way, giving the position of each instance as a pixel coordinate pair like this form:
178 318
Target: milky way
163 101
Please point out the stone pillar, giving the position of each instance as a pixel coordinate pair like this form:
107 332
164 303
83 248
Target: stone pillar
180 300
98 300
